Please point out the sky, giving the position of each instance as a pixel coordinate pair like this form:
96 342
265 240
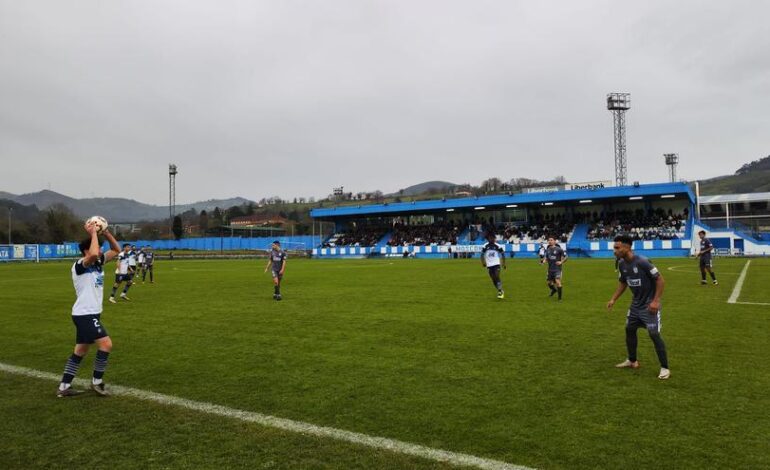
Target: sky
292 98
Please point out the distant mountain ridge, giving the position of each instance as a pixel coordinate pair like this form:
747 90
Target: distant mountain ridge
752 177
116 209
421 188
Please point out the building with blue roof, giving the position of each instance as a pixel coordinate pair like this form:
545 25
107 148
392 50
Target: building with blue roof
564 203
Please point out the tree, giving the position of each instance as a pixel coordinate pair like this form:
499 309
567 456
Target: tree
62 224
492 185
216 217
233 212
176 228
203 221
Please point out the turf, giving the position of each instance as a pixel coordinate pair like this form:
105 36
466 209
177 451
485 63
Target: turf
415 350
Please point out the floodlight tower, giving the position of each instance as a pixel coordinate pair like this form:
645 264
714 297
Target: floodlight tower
171 193
619 103
672 160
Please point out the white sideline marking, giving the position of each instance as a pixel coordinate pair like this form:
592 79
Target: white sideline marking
392 445
739 284
752 303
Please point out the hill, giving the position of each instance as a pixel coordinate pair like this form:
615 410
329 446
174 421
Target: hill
428 186
752 177
115 209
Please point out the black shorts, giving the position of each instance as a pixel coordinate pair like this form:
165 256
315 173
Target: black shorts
554 275
643 318
88 328
122 278
705 262
277 274
494 271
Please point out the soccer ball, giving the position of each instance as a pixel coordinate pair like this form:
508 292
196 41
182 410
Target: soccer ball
99 221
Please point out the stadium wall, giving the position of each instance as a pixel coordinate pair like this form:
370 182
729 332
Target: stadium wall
593 249
35 252
735 241
303 242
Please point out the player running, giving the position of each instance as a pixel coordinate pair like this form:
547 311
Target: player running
646 283
133 264
140 262
555 256
123 274
492 257
88 280
276 260
705 259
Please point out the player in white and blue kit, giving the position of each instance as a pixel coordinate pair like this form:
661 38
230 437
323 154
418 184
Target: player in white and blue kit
88 280
646 284
123 273
492 258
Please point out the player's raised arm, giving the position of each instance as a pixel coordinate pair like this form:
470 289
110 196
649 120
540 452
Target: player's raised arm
114 247
92 255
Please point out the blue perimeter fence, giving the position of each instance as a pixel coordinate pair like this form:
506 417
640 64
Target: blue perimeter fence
71 250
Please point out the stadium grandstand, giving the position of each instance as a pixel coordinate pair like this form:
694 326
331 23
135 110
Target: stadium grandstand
663 219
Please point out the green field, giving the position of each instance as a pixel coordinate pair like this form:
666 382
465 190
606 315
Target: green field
415 350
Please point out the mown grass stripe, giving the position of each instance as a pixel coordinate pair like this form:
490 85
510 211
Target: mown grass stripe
392 445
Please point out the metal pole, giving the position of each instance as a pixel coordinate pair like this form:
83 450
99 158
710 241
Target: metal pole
697 199
727 211
10 211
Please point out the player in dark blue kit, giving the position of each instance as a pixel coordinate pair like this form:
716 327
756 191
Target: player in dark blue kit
555 257
492 257
646 284
276 261
149 261
705 259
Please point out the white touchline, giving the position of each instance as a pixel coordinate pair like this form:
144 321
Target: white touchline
400 447
739 284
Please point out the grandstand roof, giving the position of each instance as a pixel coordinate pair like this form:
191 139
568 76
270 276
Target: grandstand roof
500 201
734 198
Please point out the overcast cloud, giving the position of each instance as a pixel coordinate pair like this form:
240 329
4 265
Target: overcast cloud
291 98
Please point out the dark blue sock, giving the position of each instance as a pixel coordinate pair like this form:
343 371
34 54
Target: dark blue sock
71 368
100 364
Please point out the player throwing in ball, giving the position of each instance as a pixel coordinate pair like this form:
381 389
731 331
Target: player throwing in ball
88 279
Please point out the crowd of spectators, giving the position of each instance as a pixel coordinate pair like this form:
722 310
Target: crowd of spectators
423 235
639 225
356 236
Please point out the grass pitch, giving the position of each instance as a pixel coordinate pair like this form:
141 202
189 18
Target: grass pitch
415 350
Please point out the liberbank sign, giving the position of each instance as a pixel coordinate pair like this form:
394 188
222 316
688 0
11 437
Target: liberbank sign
570 187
